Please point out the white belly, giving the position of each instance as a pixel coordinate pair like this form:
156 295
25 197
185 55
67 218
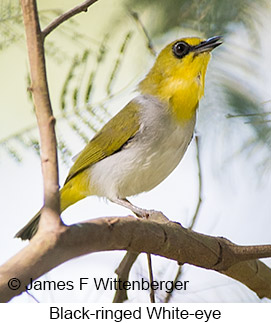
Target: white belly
149 157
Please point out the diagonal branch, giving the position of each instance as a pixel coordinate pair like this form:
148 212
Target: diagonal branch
67 15
165 238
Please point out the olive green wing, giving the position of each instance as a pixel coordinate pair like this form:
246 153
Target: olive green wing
109 139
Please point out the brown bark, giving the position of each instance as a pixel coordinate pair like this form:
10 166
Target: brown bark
165 238
44 114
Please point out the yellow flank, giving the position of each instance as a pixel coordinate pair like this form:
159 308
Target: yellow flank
75 190
179 82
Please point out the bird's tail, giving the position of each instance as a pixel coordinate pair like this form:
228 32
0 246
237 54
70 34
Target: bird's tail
28 231
76 189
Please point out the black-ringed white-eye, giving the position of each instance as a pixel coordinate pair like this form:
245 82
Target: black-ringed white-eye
143 143
180 49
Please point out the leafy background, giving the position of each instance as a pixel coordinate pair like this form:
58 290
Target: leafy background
94 62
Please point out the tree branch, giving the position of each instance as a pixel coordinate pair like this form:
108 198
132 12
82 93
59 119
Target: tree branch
123 272
44 114
165 238
67 15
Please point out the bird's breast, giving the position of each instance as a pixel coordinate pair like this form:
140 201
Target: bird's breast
148 158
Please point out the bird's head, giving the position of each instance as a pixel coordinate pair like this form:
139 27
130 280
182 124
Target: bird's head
178 73
186 58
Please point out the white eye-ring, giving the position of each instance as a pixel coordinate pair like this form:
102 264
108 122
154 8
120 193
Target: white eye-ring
180 49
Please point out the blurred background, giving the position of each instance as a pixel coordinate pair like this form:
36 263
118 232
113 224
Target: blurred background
94 63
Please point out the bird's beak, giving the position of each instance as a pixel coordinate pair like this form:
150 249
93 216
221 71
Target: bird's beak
207 45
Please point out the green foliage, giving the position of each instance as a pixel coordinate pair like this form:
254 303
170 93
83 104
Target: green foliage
82 116
246 108
117 63
208 16
12 29
78 110
10 23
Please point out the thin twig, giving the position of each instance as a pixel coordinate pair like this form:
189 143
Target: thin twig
67 15
152 296
229 115
178 274
144 30
195 216
197 141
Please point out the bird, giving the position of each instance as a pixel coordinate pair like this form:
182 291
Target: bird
144 142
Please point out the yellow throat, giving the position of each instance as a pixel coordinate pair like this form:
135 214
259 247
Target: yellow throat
178 81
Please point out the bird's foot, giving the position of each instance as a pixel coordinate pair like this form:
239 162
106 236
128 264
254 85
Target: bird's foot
139 212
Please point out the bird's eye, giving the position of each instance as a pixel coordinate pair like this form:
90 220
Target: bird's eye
180 49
